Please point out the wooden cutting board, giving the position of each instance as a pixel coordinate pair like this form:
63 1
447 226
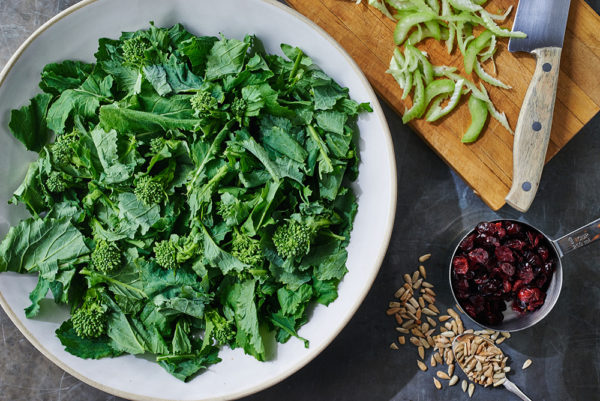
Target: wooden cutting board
367 35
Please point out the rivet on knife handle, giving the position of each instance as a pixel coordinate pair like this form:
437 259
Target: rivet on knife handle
533 129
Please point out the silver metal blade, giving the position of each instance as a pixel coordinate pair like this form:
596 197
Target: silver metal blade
544 22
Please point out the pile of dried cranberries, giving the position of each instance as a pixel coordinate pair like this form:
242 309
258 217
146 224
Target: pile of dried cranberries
498 262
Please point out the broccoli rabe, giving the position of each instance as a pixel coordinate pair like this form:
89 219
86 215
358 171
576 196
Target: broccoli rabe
293 239
149 191
134 50
62 149
218 327
203 102
90 319
157 144
177 250
56 183
238 108
246 249
106 257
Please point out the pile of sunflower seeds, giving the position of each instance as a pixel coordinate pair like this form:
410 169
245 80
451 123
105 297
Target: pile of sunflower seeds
415 313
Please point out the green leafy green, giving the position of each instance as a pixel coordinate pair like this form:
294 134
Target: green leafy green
196 194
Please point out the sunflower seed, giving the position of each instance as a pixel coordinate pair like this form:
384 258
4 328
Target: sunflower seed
421 352
418 314
408 324
431 321
414 302
425 284
423 271
417 284
432 362
505 334
402 330
427 298
424 258
464 385
415 341
401 340
499 382
392 311
453 313
400 292
393 346
448 334
471 389
398 318
421 302
500 340
450 370
434 308
527 364
442 375
429 291
424 343
443 318
453 381
430 341
429 312
421 366
408 279
415 277
437 383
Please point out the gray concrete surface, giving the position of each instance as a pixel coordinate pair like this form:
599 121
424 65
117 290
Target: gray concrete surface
434 205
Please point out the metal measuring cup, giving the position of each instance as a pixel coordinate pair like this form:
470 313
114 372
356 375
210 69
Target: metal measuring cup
561 246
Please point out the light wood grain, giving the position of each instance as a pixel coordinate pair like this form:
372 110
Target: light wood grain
487 165
533 129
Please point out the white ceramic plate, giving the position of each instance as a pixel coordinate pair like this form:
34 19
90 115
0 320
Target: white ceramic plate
74 34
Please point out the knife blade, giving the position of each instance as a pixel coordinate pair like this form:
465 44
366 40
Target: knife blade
544 22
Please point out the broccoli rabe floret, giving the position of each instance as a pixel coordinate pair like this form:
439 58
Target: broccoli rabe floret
293 239
62 149
175 251
246 249
165 254
157 144
106 257
134 50
149 191
90 319
55 183
218 327
238 107
203 102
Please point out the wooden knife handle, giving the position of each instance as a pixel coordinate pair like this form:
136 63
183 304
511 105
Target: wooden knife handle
533 129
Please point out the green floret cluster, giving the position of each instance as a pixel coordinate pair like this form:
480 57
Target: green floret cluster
219 328
90 319
165 254
149 191
56 183
203 102
292 239
106 257
62 149
246 249
198 194
134 50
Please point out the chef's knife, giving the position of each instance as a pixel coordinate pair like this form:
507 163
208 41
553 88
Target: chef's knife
544 22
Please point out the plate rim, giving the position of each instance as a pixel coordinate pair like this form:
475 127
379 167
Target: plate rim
377 109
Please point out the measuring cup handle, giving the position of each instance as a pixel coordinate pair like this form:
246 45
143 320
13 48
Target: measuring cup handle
512 387
578 238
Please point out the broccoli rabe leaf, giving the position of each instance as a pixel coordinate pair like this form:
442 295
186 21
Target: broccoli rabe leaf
29 124
38 243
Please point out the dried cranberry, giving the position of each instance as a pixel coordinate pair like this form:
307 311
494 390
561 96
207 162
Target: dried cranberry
525 273
516 244
484 228
513 228
506 286
534 260
531 298
487 240
534 239
479 255
507 269
461 265
543 252
504 254
463 284
541 280
467 243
